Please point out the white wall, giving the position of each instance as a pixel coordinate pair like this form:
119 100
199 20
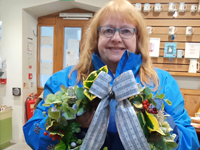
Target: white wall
28 25
16 27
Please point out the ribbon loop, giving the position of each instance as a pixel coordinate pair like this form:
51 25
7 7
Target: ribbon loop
128 126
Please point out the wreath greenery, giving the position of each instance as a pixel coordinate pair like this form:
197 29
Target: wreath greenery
73 101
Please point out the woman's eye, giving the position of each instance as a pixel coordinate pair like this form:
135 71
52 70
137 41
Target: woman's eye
109 30
125 31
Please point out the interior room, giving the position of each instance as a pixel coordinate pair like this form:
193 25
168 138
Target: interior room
39 38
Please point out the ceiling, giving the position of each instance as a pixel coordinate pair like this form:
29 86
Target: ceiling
57 6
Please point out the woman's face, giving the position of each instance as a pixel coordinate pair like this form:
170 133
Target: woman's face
112 49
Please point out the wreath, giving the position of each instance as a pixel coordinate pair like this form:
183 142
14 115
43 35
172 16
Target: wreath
74 101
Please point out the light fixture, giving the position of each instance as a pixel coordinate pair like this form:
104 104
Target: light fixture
76 18
76 15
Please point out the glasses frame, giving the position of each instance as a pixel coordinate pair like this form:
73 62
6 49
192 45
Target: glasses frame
117 29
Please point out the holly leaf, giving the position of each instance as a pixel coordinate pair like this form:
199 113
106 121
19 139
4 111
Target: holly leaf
89 95
168 102
141 119
138 98
54 115
79 93
92 76
60 145
87 84
138 104
152 123
104 68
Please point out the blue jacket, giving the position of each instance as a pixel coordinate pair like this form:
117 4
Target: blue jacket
180 121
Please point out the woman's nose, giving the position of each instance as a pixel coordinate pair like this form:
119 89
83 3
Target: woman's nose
116 36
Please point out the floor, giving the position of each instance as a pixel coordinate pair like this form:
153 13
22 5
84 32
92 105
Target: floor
18 146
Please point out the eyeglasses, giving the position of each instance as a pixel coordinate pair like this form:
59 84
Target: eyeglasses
124 33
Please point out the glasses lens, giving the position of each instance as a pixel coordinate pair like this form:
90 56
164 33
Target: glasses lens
107 31
126 32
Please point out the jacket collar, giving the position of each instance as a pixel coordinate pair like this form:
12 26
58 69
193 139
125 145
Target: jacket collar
128 61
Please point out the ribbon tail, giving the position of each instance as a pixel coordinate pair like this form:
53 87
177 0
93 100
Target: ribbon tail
97 131
129 129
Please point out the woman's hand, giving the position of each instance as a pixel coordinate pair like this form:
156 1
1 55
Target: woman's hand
87 117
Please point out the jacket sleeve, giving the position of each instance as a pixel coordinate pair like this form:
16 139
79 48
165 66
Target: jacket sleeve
186 135
35 127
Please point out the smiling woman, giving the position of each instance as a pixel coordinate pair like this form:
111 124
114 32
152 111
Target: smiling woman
117 37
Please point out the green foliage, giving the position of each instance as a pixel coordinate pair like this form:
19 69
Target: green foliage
138 104
137 98
74 101
105 148
54 115
147 92
72 127
168 102
60 146
80 94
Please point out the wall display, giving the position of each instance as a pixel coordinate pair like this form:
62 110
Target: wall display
193 8
189 30
172 6
180 53
158 7
194 66
150 29
182 7
138 6
172 30
199 8
147 7
170 50
192 50
154 47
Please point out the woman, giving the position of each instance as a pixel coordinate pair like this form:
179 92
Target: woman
116 28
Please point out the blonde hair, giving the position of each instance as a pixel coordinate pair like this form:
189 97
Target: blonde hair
124 10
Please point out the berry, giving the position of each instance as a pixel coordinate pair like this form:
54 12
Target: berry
143 102
154 109
53 138
146 100
148 104
45 133
145 106
149 111
50 135
59 138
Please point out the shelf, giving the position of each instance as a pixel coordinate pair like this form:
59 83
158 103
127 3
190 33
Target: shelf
185 74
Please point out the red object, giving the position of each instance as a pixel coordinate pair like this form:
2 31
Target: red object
3 81
30 105
30 76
